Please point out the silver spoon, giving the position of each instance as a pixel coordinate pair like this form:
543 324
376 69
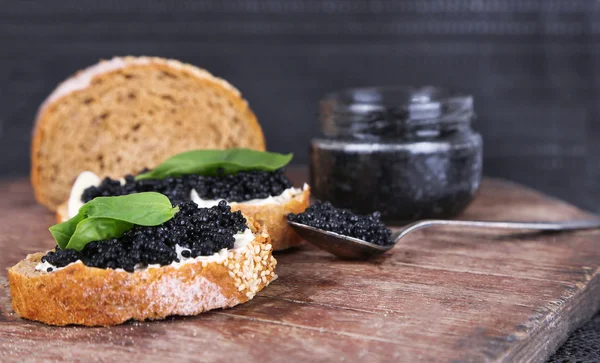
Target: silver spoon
357 249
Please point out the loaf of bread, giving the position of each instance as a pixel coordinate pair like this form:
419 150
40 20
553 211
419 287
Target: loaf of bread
122 115
82 295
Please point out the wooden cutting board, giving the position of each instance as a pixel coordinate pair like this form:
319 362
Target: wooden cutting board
452 295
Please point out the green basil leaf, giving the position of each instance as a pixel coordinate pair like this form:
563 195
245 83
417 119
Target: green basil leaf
109 217
96 229
143 209
62 232
207 162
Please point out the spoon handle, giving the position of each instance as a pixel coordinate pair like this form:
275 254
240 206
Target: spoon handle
536 226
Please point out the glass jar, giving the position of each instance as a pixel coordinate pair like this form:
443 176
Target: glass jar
409 153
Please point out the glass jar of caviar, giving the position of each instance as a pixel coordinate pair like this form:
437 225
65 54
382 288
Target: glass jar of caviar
409 153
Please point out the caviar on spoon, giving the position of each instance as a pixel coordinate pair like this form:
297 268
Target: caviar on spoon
341 232
356 237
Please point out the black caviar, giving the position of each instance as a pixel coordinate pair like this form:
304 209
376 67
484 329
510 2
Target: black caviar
325 216
410 153
238 187
202 231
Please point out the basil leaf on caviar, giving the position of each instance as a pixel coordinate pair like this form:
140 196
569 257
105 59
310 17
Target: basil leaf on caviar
208 162
143 209
109 217
96 229
62 232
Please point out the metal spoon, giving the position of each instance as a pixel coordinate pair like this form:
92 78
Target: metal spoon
357 249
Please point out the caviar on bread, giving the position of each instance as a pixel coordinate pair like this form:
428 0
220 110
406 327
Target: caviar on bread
250 181
198 259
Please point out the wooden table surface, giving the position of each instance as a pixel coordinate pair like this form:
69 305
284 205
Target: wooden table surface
449 295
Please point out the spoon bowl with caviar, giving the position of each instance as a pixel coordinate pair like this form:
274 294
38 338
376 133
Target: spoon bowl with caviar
358 237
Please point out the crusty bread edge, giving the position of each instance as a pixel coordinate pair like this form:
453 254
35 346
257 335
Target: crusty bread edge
83 295
47 106
272 215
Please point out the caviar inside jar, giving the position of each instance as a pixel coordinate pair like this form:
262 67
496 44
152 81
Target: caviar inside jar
192 232
408 153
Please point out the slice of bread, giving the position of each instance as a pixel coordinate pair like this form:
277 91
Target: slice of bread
271 215
90 296
274 217
122 115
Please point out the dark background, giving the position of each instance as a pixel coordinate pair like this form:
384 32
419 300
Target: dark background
532 66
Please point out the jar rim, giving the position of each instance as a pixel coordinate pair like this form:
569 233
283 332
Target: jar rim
420 103
394 110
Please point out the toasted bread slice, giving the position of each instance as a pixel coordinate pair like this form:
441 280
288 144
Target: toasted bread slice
77 294
122 115
272 215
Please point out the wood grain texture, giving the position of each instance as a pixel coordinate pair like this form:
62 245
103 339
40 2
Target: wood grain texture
450 295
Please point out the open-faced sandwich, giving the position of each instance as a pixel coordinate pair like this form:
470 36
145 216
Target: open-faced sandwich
122 115
138 257
250 181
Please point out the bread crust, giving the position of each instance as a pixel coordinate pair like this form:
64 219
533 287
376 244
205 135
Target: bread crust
90 296
50 200
273 216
